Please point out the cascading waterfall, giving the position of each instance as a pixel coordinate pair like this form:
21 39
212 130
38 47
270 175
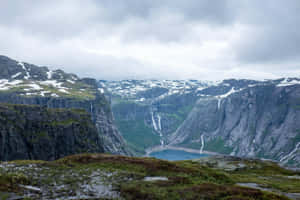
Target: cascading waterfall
153 122
157 127
202 144
159 122
219 103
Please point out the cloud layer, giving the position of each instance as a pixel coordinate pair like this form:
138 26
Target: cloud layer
170 39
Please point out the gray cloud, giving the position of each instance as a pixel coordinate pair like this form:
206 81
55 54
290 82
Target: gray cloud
274 34
207 39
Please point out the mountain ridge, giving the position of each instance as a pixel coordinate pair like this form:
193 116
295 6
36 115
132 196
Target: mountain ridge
22 83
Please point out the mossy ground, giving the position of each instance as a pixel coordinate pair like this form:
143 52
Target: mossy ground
186 179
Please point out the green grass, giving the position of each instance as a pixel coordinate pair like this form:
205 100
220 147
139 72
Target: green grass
138 135
186 179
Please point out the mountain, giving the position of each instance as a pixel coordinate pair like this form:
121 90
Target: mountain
23 83
245 118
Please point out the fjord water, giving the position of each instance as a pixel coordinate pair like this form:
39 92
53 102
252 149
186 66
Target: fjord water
170 154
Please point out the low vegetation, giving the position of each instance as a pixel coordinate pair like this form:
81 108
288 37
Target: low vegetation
126 178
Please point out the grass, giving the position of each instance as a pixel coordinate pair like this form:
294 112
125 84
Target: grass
10 181
138 135
186 179
269 175
217 145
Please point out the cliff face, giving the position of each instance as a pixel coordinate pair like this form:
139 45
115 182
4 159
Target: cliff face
22 83
260 121
40 133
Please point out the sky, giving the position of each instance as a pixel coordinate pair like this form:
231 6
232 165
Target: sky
155 39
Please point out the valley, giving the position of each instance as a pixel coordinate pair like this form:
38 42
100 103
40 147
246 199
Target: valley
245 118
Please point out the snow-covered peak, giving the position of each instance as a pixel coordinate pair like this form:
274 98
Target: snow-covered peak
151 89
289 82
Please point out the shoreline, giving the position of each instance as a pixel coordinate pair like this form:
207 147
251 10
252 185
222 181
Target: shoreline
189 150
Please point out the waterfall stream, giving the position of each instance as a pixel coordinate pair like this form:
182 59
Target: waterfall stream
202 144
157 127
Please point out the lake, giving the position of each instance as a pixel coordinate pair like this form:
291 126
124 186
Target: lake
170 154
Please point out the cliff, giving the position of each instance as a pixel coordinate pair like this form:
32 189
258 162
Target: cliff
40 133
260 121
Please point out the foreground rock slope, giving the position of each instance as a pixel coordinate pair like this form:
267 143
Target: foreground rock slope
101 176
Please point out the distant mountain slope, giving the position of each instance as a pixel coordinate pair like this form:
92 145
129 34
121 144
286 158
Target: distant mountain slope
23 83
237 117
29 80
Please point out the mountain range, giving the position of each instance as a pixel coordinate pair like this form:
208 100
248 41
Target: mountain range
246 118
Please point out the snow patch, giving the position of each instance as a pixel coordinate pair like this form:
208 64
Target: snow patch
101 90
53 83
49 74
286 158
63 90
223 96
228 93
288 82
16 75
6 84
73 82
54 95
27 76
155 178
44 92
34 86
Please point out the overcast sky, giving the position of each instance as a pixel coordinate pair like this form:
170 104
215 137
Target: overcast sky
155 39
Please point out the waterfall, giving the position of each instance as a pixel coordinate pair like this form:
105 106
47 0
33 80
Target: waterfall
161 142
219 103
153 122
159 122
157 127
202 144
91 108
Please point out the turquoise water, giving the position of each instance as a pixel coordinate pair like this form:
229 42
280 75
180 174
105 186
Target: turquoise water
176 155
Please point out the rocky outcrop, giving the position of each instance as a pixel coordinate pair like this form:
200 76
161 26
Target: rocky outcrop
40 133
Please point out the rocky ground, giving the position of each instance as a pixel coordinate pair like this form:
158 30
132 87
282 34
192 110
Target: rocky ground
102 176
